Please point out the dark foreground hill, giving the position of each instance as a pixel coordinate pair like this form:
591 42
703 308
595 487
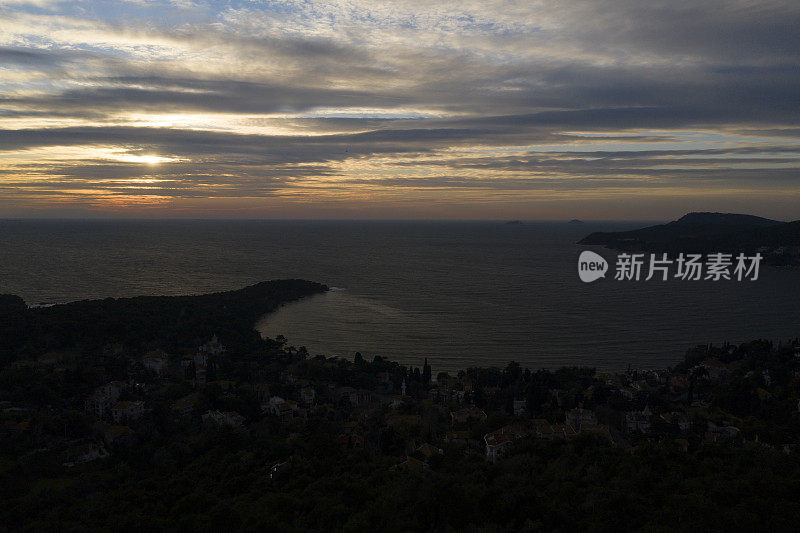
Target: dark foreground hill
778 241
123 432
173 322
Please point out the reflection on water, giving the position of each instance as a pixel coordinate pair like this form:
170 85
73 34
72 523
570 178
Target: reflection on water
329 322
459 293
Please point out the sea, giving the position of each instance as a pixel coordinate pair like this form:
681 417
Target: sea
457 293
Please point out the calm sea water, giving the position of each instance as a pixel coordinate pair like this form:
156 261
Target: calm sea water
458 293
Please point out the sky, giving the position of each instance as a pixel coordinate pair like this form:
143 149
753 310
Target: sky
371 109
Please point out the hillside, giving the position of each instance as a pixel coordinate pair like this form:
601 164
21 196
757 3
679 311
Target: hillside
173 322
778 241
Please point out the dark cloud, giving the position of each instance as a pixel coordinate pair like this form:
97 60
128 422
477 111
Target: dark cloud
392 95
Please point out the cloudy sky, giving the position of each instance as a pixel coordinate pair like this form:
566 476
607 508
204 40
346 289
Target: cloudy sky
608 109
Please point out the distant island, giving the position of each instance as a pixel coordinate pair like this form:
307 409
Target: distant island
575 221
778 242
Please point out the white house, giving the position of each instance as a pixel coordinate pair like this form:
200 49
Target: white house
212 347
579 416
498 442
283 409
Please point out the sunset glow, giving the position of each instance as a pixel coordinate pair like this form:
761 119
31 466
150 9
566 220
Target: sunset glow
394 109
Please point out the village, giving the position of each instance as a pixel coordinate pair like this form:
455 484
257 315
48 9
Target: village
742 396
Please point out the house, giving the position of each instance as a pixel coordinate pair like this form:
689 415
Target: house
683 444
715 369
127 411
457 437
428 450
563 431
211 348
612 380
577 417
542 428
347 395
185 405
656 377
279 407
156 364
458 395
397 401
680 419
629 393
84 453
498 442
363 397
435 394
201 367
103 399
308 395
262 391
411 464
719 434
349 426
224 418
558 395
224 384
277 468
200 360
297 411
350 440
519 407
155 361
462 416
679 381
50 359
638 420
116 434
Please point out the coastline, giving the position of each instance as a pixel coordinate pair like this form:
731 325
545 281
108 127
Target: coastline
258 429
